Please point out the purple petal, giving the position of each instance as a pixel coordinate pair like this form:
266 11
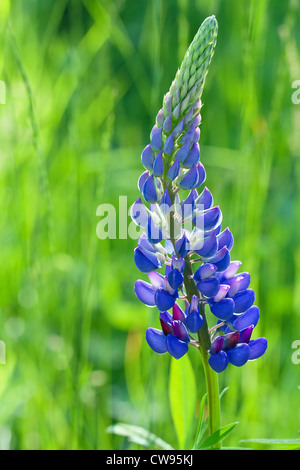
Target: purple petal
176 347
239 355
180 331
231 340
207 247
245 334
221 293
257 347
217 345
145 292
219 361
178 313
166 323
156 340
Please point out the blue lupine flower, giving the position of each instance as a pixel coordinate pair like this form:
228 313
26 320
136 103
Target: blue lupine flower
183 234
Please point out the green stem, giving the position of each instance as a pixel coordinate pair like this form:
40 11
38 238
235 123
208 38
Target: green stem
211 377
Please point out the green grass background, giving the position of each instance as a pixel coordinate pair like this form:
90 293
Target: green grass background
84 81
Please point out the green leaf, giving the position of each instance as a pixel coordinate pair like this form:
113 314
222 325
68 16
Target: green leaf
201 426
217 436
275 444
183 395
138 435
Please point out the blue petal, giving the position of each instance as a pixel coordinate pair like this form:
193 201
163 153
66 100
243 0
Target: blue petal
165 202
194 321
153 233
144 243
243 300
201 175
146 261
175 278
190 179
205 271
173 170
209 287
167 125
147 157
169 145
182 246
193 156
183 151
149 190
238 283
219 361
145 292
207 247
160 118
156 139
158 166
164 300
225 238
156 340
257 347
205 200
142 180
176 347
187 207
179 128
250 317
221 259
223 309
139 213
239 355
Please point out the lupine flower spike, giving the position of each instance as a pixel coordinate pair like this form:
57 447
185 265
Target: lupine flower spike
184 251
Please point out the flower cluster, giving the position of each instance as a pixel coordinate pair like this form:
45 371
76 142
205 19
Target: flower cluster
183 232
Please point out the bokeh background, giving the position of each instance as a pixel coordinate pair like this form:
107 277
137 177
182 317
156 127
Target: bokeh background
84 81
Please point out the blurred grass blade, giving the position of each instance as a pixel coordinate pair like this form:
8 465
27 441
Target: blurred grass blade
182 392
273 444
138 435
218 436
